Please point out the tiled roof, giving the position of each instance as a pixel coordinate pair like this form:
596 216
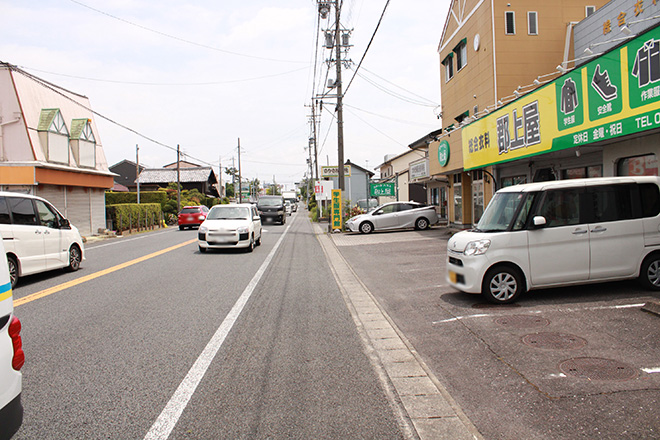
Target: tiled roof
168 175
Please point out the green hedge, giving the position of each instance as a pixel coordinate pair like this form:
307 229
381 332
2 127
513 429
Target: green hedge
116 198
127 216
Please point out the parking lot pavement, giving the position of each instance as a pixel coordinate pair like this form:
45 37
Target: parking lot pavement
570 363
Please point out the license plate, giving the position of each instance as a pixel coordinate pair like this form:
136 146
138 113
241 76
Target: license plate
452 276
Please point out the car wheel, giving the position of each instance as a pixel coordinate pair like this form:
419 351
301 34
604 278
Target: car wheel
75 258
258 242
421 223
250 247
13 270
649 275
366 227
502 285
180 228
201 249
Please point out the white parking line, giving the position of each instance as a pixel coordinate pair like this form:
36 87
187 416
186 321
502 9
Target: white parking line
163 426
482 315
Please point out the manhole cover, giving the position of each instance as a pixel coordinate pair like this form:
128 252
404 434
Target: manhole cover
598 369
495 306
554 341
522 321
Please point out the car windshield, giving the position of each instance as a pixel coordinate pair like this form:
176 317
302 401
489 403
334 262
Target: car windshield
270 202
500 211
228 213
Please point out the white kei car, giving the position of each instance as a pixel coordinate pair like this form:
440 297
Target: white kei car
11 357
230 226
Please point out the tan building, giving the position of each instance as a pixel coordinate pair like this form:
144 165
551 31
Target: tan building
50 147
491 52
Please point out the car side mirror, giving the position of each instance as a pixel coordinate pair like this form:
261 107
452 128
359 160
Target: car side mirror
256 217
539 221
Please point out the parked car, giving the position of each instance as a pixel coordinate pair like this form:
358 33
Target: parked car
394 215
560 233
11 358
37 237
191 216
271 208
230 226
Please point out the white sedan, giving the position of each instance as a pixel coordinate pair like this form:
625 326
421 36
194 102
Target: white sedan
394 215
230 226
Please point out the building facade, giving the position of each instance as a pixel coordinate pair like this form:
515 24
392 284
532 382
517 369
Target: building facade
490 53
50 147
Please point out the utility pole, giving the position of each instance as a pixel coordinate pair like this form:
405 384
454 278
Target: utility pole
137 171
178 179
233 175
220 174
340 109
240 179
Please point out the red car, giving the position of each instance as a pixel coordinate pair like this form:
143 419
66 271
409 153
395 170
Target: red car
192 216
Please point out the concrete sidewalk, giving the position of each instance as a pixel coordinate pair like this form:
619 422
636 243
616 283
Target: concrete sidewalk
424 407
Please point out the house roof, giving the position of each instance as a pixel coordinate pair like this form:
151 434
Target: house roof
168 175
424 141
370 173
46 118
129 162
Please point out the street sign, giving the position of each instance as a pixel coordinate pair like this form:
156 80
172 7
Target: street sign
323 189
336 209
382 190
333 171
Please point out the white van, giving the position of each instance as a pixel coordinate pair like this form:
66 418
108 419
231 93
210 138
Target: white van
11 358
560 233
36 236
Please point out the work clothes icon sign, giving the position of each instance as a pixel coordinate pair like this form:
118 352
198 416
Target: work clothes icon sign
646 67
569 97
602 84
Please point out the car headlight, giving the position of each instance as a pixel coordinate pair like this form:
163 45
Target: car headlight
478 247
242 229
203 229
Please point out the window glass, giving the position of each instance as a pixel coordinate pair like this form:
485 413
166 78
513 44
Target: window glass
611 203
22 211
510 22
4 212
47 216
515 180
435 196
532 23
458 202
449 69
521 220
589 10
638 166
461 55
574 173
595 171
650 196
561 208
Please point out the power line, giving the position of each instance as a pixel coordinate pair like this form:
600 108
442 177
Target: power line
368 46
183 39
395 94
398 86
164 84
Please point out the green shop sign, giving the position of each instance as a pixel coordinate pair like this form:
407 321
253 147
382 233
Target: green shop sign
382 190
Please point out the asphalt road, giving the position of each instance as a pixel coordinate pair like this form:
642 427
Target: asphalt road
568 363
152 339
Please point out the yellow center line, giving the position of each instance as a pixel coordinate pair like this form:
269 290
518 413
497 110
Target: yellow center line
55 289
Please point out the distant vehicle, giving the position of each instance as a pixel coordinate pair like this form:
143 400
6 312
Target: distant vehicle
36 236
191 216
12 358
291 197
230 226
394 215
288 207
271 208
367 204
560 233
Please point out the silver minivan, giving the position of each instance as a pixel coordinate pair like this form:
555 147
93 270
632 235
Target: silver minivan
560 233
36 236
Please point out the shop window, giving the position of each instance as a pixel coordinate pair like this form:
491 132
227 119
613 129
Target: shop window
478 175
582 172
544 175
638 166
435 196
458 203
532 23
514 180
510 23
461 54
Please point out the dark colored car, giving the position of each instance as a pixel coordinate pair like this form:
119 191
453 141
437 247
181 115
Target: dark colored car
271 208
192 216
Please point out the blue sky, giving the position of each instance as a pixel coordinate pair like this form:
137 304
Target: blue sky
202 74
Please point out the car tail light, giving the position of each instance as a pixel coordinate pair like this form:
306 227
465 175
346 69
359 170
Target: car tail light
15 334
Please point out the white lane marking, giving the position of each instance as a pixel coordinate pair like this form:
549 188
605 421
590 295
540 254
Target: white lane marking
651 370
126 240
554 376
163 426
482 315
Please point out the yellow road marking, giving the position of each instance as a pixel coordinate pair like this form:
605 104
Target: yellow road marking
55 289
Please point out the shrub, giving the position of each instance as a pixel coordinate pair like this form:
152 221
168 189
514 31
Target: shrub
126 216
